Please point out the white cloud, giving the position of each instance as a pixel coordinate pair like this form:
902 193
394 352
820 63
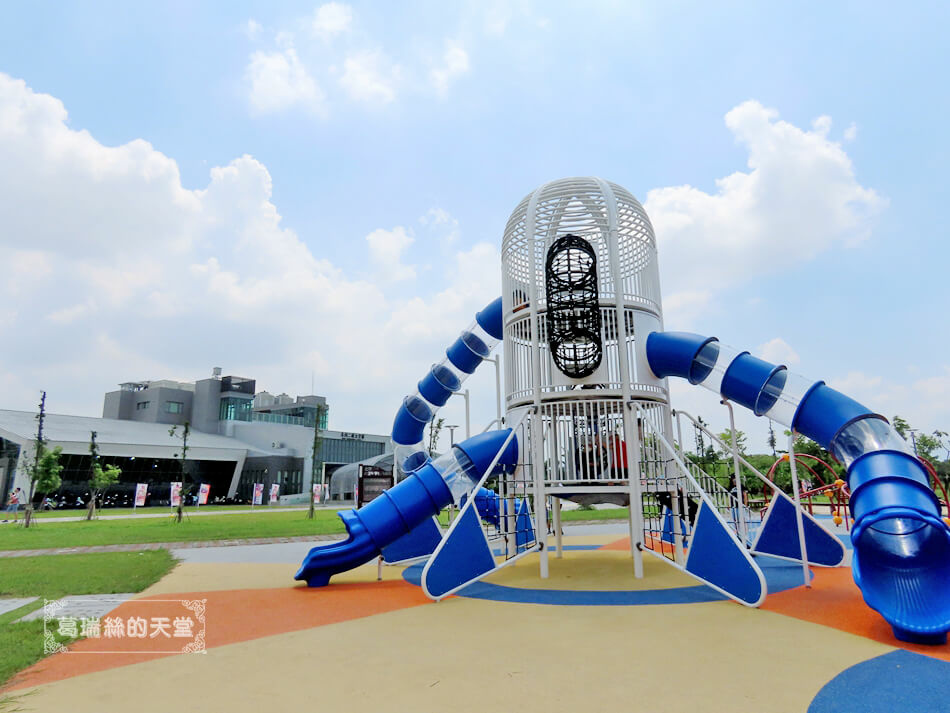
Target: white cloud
134 276
331 19
778 351
441 220
370 77
253 29
278 81
454 64
799 197
386 250
851 133
683 308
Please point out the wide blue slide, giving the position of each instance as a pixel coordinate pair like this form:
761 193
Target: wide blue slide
901 559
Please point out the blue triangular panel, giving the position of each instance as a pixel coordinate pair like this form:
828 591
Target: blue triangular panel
524 535
419 542
464 556
779 536
716 558
667 535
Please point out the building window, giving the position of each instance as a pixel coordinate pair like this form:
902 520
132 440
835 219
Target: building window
235 409
174 406
142 405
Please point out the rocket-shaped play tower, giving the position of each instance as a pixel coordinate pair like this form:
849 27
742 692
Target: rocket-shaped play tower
588 419
580 285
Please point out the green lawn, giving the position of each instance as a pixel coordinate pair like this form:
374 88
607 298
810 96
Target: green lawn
50 533
53 576
604 514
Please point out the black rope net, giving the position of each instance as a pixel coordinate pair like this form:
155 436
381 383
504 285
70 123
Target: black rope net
573 317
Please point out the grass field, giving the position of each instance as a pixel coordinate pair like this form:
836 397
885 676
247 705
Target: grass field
48 533
53 576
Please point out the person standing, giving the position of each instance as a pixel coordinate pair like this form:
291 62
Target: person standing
14 505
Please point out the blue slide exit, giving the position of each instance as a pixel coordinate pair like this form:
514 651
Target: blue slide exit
901 559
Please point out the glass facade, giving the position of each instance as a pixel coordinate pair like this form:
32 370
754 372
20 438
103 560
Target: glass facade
159 473
235 408
296 416
343 450
9 456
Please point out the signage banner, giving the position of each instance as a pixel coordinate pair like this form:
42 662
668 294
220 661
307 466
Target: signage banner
372 482
274 493
316 493
203 494
141 491
176 494
258 494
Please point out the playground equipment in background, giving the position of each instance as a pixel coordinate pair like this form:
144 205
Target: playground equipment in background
836 491
587 406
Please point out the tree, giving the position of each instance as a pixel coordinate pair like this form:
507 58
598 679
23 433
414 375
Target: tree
182 459
316 465
901 426
772 441
45 467
100 479
700 441
435 427
726 438
944 442
927 445
49 469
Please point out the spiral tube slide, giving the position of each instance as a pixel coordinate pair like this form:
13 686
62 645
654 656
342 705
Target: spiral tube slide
462 358
901 558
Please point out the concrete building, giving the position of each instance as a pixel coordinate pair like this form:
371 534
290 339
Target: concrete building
237 438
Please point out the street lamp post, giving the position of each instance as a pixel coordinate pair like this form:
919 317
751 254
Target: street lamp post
452 434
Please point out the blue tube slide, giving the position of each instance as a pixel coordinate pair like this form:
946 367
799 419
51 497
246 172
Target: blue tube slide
430 486
901 559
462 358
407 505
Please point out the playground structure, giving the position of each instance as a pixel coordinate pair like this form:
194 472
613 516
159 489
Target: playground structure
588 418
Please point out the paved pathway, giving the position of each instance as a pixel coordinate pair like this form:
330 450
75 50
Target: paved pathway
80 605
8 604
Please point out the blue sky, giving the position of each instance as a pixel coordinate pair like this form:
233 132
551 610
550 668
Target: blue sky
224 185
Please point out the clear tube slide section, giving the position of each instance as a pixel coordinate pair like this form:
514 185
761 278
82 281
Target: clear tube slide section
462 358
901 544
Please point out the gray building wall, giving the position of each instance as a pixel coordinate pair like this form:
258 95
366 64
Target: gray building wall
124 405
118 404
204 412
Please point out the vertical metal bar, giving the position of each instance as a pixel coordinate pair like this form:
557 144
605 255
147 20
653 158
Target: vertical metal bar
623 354
468 415
677 529
537 461
556 517
798 508
740 515
497 362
